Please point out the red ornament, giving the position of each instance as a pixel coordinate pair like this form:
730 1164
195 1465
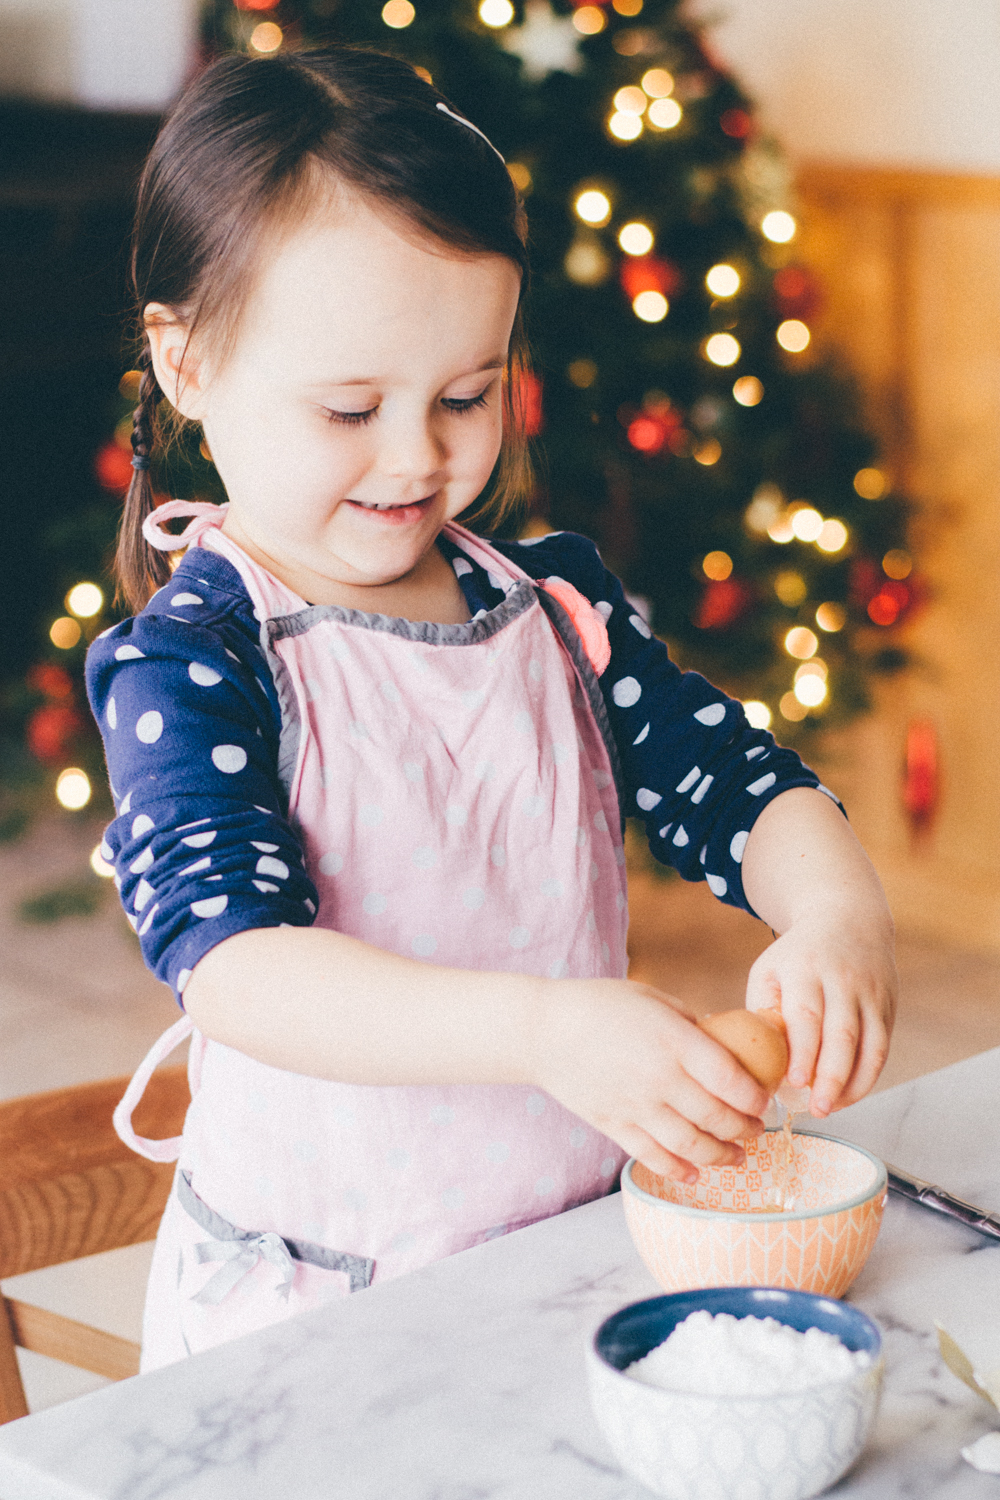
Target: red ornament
889 603
921 776
797 293
51 729
648 434
113 467
52 680
528 402
736 123
722 604
255 4
648 273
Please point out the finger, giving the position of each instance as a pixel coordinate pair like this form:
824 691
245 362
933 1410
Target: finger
873 1051
678 1135
839 1050
725 1083
802 1010
710 1114
659 1161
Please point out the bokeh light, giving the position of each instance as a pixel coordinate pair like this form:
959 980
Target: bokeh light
791 709
793 335
780 530
84 600
707 452
722 349
631 101
519 176
582 373
73 788
128 386
99 864
778 227
810 684
870 484
806 523
717 566
268 37
626 7
801 642
897 563
748 391
496 13
586 263
658 83
723 280
831 617
589 20
790 587
765 507
65 633
625 127
636 238
758 714
651 307
593 207
664 114
832 537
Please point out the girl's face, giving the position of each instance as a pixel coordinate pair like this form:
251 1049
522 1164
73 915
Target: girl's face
361 406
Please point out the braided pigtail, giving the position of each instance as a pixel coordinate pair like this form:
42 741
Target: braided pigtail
141 569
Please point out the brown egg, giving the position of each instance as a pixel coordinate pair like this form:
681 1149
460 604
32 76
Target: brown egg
756 1039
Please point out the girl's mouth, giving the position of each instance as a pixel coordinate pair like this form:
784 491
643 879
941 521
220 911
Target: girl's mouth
393 515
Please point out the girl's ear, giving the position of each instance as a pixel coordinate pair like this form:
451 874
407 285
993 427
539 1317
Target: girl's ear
178 372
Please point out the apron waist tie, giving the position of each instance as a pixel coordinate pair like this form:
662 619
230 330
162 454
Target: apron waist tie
165 1150
241 1249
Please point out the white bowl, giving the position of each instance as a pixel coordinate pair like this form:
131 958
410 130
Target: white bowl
687 1446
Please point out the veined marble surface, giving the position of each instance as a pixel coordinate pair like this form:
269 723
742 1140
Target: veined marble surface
466 1381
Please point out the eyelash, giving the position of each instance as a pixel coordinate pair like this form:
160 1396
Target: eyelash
362 418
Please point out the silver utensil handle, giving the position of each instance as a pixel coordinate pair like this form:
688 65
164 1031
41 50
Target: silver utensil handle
941 1202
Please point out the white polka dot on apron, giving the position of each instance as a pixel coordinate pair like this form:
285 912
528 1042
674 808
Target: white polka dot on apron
559 969
533 807
212 906
453 1197
497 1152
607 1166
204 676
200 840
331 863
456 814
442 1114
519 937
424 944
374 904
424 858
498 856
268 865
413 770
552 888
397 1159
143 893
370 815
142 824
473 897
544 1186
535 1104
577 1137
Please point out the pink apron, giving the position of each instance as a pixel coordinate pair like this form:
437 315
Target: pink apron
454 790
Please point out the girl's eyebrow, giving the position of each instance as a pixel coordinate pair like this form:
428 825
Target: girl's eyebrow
368 380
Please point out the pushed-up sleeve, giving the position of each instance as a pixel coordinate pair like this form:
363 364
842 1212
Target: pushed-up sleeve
200 844
695 771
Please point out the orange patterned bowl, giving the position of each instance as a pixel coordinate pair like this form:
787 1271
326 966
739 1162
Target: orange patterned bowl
707 1233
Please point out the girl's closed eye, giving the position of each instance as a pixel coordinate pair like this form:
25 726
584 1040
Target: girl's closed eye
361 418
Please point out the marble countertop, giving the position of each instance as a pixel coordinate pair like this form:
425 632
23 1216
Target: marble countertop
466 1381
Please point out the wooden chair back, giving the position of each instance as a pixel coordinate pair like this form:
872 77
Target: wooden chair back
68 1188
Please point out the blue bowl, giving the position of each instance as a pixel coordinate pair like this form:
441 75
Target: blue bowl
632 1332
686 1445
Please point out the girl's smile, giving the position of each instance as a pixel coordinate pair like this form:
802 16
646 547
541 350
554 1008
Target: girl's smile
340 482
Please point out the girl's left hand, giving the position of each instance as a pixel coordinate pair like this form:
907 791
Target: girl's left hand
834 977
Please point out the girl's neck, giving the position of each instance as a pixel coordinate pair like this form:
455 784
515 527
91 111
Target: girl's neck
429 592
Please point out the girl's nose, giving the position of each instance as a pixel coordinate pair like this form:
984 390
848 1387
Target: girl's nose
410 449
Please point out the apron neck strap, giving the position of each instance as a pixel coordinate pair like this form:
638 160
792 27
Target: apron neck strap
203 516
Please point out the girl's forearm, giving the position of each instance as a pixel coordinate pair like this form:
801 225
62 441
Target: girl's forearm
802 859
324 1004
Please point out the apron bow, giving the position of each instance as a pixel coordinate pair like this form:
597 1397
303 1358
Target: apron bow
241 1256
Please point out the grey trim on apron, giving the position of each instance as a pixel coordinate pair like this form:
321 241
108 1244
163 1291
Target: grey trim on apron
570 637
359 1268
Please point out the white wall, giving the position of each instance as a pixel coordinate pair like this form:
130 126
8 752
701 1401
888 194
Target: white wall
108 54
908 83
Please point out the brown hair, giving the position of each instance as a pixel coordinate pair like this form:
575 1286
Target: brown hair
238 153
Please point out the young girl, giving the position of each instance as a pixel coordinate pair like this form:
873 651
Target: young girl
371 771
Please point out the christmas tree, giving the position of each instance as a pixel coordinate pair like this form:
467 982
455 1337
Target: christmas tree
682 414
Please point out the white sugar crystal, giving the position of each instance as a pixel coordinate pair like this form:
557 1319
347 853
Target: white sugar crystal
719 1355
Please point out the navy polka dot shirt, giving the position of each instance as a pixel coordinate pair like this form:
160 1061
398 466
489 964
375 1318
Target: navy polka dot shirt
189 715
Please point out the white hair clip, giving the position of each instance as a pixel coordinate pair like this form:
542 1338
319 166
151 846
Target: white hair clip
469 126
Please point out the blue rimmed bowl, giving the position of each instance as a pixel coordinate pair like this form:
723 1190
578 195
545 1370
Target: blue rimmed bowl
688 1446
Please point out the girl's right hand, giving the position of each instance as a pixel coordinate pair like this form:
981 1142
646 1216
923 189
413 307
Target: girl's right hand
624 1057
